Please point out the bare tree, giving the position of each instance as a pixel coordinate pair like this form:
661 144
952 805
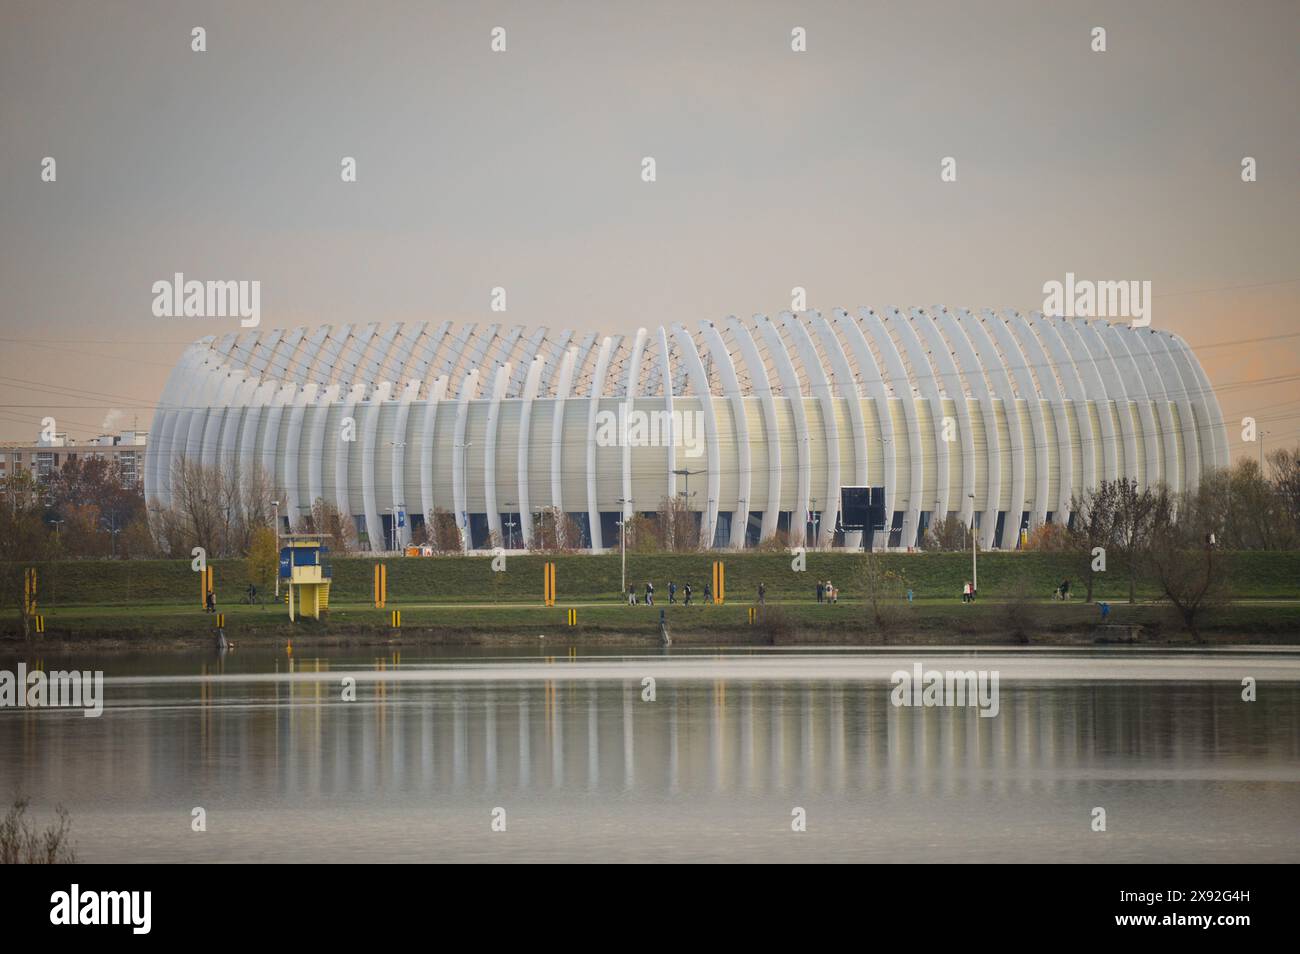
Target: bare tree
1191 573
555 531
1134 521
677 525
1092 526
24 542
948 534
883 589
338 529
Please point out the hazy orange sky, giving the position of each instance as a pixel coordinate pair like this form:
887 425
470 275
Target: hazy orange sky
522 169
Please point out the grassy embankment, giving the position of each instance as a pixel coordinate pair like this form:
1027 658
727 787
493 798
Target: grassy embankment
460 598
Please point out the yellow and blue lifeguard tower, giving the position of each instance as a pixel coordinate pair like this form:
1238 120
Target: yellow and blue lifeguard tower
307 575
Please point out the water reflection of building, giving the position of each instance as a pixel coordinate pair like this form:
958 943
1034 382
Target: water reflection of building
722 738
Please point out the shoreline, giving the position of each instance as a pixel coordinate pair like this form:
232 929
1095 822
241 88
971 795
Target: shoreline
119 642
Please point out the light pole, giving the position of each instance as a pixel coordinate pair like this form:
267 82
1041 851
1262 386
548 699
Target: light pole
624 502
464 482
685 493
510 524
888 520
275 504
974 569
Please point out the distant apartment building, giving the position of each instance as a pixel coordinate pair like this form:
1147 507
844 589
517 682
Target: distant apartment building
42 457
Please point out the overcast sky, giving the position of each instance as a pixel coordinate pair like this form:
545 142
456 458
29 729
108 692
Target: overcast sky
523 169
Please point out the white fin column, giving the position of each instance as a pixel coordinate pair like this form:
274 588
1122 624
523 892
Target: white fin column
562 389
731 391
761 386
1113 390
925 378
629 393
490 504
1094 390
792 393
903 390
700 384
945 371
1072 385
531 383
1112 339
1051 390
873 386
969 366
460 493
593 408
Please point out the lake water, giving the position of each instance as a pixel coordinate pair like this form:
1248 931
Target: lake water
582 767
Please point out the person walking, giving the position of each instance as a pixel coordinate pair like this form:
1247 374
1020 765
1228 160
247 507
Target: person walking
762 594
212 602
686 591
708 594
821 590
649 593
831 595
631 595
672 591
965 592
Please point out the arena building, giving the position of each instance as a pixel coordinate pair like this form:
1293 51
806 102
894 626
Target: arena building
756 423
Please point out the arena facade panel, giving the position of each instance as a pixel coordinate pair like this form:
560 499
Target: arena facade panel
995 417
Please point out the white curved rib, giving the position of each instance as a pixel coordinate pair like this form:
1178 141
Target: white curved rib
629 392
1024 343
790 391
428 503
499 387
1113 339
531 382
1157 349
762 386
1115 391
700 381
898 380
460 493
1094 389
593 408
1144 368
568 364
874 387
1210 428
926 381
971 368
946 375
731 387
1072 385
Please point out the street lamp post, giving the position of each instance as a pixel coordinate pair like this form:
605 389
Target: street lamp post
510 524
974 569
622 540
464 482
275 504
